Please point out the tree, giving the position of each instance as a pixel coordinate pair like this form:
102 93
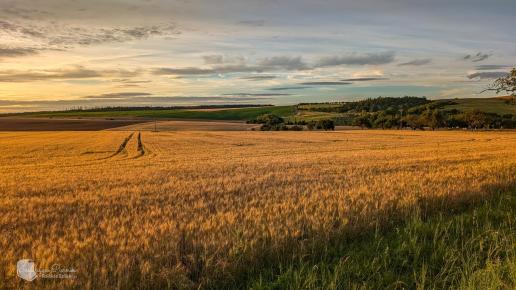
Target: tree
363 121
326 125
269 119
476 119
504 84
414 121
433 118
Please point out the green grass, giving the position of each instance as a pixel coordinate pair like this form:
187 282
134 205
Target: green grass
340 119
316 106
314 115
489 105
469 247
228 114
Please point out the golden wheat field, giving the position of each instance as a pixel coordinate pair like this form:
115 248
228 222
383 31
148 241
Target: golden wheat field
179 209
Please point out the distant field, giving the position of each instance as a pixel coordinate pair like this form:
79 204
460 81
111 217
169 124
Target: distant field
189 126
47 124
314 115
222 114
490 105
260 210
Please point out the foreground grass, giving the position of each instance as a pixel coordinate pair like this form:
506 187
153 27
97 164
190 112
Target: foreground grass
228 114
470 247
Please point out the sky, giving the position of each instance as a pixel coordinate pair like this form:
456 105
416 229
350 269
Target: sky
60 54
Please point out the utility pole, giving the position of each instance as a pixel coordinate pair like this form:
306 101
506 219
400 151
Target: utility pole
401 119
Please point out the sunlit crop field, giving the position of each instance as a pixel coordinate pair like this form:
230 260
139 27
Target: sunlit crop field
190 209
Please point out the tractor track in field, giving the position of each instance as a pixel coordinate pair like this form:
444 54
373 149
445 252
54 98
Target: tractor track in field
141 148
122 146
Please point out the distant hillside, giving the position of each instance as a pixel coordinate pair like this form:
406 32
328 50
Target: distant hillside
414 112
499 105
169 113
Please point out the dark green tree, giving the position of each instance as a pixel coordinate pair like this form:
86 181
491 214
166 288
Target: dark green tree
363 121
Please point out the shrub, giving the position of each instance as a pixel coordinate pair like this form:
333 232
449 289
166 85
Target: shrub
296 128
270 119
325 125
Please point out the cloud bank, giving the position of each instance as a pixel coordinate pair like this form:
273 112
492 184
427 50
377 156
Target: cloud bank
357 59
487 75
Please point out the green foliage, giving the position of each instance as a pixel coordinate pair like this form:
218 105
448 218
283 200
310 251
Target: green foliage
295 128
326 125
270 119
363 121
470 247
272 122
388 104
431 117
419 113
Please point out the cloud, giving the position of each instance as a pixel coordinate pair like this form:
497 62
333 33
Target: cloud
417 62
213 59
326 83
183 71
288 88
124 95
491 66
24 13
74 72
259 77
487 75
266 64
283 62
276 63
364 79
477 57
52 35
16 51
480 57
218 59
88 36
130 81
256 95
252 23
357 59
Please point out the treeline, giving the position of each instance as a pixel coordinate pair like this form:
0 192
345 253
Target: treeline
387 104
435 118
410 112
272 122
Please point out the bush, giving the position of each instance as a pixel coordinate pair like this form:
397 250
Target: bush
274 127
325 125
270 119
